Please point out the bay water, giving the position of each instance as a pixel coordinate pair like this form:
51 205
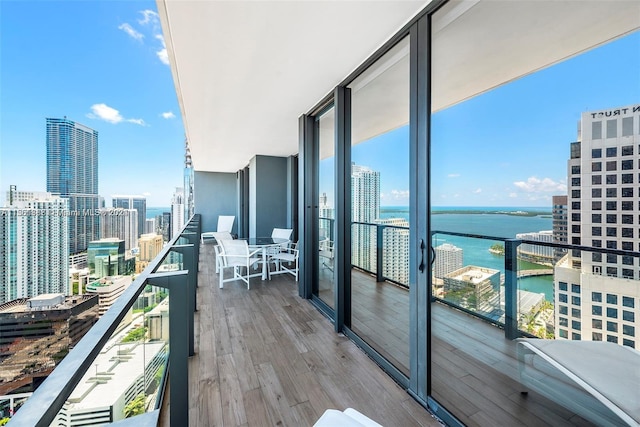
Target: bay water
503 222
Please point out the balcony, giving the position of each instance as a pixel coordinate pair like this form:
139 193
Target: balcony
267 354
267 357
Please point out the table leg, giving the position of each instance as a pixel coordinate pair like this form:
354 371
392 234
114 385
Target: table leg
264 263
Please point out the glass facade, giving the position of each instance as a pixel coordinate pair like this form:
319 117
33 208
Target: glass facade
72 172
379 200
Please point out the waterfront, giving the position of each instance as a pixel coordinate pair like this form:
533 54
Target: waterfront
476 251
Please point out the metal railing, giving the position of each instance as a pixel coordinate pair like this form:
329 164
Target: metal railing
509 279
510 268
43 406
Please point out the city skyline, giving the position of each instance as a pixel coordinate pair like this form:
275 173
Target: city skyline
135 110
114 78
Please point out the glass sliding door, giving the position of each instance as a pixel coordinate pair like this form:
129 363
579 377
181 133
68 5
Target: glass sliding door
379 206
515 187
324 288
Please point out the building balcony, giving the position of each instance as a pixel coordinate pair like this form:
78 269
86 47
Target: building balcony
267 356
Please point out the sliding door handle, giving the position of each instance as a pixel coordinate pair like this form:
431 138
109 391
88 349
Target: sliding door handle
421 266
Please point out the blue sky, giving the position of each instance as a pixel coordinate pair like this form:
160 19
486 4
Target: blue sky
102 64
510 146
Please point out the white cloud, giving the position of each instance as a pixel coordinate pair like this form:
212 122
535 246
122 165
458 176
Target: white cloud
146 194
150 26
168 115
477 191
110 115
537 185
137 121
453 175
131 31
162 53
163 56
148 17
513 195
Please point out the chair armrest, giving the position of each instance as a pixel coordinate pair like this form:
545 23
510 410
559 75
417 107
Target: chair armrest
254 252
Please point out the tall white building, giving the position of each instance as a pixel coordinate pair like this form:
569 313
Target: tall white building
326 215
177 211
121 223
597 296
150 226
34 245
448 259
395 249
365 207
138 203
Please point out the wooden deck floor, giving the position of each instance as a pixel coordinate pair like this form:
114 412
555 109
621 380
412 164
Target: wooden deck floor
474 367
267 357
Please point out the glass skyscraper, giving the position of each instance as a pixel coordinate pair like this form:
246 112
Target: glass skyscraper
72 172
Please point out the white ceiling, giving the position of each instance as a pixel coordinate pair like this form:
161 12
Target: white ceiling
246 70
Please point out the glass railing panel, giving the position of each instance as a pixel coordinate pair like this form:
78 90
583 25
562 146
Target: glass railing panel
121 360
380 309
326 260
588 296
395 254
587 312
156 313
123 379
174 261
469 273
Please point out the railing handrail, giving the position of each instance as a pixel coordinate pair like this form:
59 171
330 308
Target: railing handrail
45 403
567 246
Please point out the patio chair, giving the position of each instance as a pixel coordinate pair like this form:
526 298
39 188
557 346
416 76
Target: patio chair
282 233
235 255
283 260
220 236
225 223
278 233
326 253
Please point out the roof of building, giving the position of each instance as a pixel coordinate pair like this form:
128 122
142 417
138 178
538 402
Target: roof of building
117 367
20 305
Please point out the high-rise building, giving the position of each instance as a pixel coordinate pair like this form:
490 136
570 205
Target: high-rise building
597 295
106 257
365 207
395 249
34 245
326 218
560 215
475 288
72 173
164 222
188 182
138 203
121 223
177 211
448 259
150 226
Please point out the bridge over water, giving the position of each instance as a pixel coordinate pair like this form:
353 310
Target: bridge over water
536 272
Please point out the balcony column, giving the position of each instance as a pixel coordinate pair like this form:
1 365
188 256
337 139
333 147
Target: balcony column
267 195
190 263
511 288
179 310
